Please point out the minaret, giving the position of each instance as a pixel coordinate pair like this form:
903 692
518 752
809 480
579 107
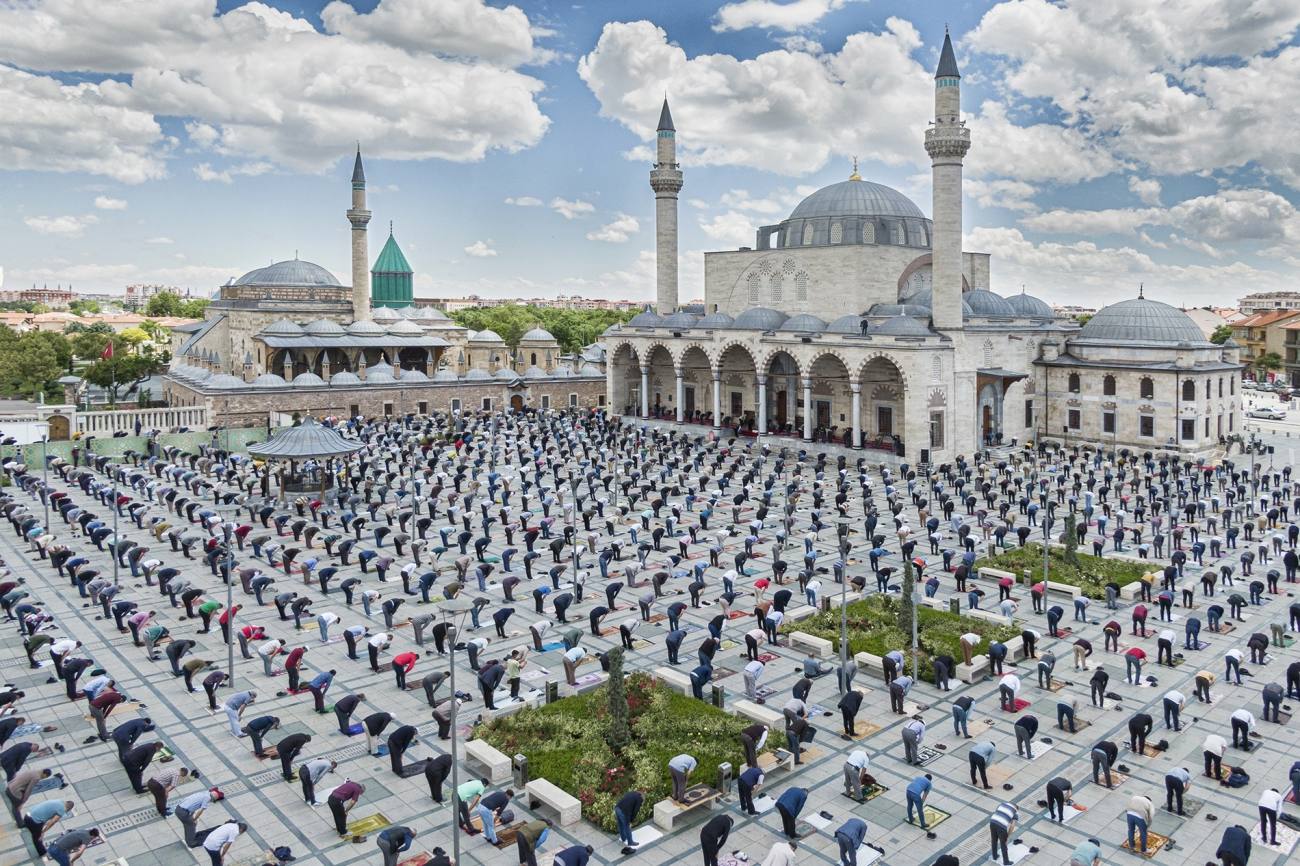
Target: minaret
947 142
359 217
666 181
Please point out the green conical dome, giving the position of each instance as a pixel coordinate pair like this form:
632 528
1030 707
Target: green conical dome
391 279
391 260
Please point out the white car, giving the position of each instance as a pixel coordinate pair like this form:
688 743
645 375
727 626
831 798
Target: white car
1268 413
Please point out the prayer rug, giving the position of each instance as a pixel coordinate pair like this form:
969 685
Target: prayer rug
764 691
1056 685
1071 812
1021 703
557 645
53 783
588 680
414 768
768 657
24 730
1154 843
638 644
815 710
355 728
646 833
1016 852
1190 808
367 825
723 673
418 860
933 817
728 644
736 614
928 755
762 805
657 617
864 730
1286 838
1079 725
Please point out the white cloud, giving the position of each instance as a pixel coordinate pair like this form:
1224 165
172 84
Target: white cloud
778 202
261 85
103 202
788 15
481 249
205 172
783 111
731 229
160 240
67 226
524 201
571 209
1037 153
1094 222
1147 189
1009 194
618 231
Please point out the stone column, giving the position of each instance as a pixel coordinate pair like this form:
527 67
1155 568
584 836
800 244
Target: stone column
717 398
807 410
856 388
762 405
680 394
645 392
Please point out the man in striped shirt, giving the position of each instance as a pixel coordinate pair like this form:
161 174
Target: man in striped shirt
1001 824
164 782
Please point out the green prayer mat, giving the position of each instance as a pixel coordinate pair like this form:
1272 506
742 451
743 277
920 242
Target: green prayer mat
367 825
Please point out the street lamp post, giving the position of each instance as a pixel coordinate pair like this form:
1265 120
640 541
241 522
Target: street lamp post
844 598
453 613
44 427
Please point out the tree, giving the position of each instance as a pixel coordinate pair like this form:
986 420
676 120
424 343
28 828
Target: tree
28 365
120 374
163 304
1268 361
1221 335
194 308
157 333
1071 541
83 307
57 342
905 604
620 730
133 337
89 344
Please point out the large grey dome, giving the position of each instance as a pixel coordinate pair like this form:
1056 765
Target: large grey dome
646 319
850 324
901 326
856 198
925 300
805 323
1029 306
680 320
1140 320
759 319
982 302
715 320
293 272
539 334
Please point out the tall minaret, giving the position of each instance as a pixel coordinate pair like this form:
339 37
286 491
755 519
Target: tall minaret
666 181
359 217
947 142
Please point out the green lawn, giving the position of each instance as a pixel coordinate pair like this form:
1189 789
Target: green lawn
565 744
873 628
1091 574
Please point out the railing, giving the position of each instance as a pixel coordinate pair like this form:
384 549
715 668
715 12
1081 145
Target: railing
126 420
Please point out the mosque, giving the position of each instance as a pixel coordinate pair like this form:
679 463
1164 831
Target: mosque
290 337
860 321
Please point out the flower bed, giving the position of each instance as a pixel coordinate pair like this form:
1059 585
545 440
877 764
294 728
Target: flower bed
565 744
873 628
1091 574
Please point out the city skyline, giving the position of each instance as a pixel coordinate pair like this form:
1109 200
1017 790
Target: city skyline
509 146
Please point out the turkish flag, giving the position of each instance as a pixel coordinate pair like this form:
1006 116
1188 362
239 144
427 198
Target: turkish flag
107 354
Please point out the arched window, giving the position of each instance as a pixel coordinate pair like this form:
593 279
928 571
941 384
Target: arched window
988 353
755 285
1220 386
774 285
1108 386
1073 386
869 233
936 370
801 286
1208 395
837 233
807 234
899 237
1147 388
1189 389
533 360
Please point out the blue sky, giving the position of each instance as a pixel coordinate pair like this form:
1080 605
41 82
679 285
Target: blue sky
190 141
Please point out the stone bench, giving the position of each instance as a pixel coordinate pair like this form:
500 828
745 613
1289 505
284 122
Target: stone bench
1131 591
988 616
800 613
995 574
977 669
760 713
674 678
873 664
541 791
497 764
1065 589
668 811
817 647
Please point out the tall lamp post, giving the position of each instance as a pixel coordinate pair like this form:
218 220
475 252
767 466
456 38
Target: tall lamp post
844 597
44 428
453 612
230 615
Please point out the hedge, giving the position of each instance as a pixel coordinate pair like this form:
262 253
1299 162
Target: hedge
1091 574
873 628
565 744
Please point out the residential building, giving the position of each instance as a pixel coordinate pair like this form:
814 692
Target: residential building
1262 302
1262 333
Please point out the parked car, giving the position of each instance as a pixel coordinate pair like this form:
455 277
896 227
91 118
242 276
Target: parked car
1268 413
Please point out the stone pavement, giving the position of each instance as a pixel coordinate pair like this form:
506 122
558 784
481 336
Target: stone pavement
277 815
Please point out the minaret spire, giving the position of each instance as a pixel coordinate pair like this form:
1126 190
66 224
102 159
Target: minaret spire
947 141
359 217
666 181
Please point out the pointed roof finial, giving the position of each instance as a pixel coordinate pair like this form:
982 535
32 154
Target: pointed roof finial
947 59
1141 289
666 118
855 175
358 173
390 228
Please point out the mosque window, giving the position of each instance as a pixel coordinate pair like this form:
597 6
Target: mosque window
807 234
774 286
455 405
1208 383
1147 426
487 404
1108 386
1108 422
1189 392
898 234
936 429
869 233
1074 419
1220 386
801 286
936 370
1147 388
755 284
1073 386
546 401
988 353
533 356
1232 387
837 233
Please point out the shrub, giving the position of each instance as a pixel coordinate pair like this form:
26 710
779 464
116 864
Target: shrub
1089 573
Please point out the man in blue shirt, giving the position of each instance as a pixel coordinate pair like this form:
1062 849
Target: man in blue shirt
574 855
394 840
790 804
850 837
42 817
917 792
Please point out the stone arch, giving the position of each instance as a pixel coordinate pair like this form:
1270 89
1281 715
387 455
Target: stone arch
697 381
625 377
888 357
922 261
784 372
885 394
832 397
808 366
724 348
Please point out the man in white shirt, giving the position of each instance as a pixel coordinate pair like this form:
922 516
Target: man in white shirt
753 671
268 651
220 840
1213 749
1270 803
969 641
855 769
1008 689
1243 724
1173 704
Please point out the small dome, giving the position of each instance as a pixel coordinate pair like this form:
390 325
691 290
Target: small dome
446 374
224 380
343 377
590 370
413 376
307 379
715 320
982 302
908 309
845 325
365 328
283 328
324 328
1140 320
680 320
760 319
269 380
477 374
1029 306
924 300
505 374
646 319
562 373
804 323
293 272
405 328
539 335
385 315
407 312
485 336
199 374
901 326
430 314
381 372
534 372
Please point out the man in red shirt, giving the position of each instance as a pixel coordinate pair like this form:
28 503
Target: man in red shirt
101 705
403 664
224 620
341 801
1133 659
1112 631
292 666
1140 619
